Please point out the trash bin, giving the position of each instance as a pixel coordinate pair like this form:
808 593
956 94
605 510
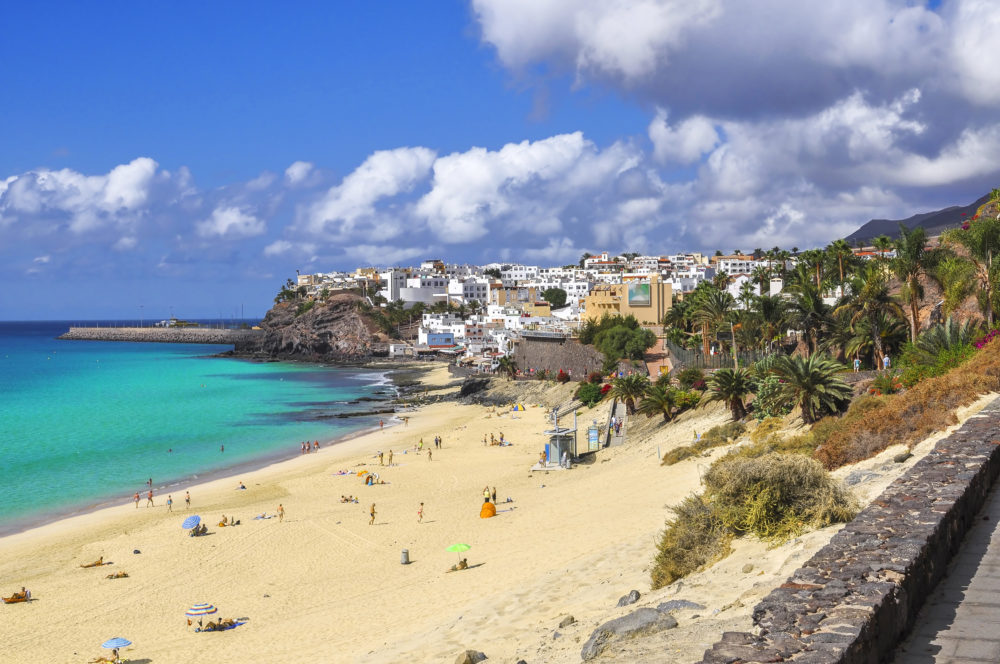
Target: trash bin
404 557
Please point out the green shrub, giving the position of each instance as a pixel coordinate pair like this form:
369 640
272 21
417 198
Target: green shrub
304 307
692 539
687 400
589 393
686 378
770 399
775 496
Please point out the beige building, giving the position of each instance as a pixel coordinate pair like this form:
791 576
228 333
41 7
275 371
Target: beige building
647 300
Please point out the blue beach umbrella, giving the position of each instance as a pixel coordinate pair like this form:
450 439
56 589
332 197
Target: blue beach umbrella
191 522
117 642
200 610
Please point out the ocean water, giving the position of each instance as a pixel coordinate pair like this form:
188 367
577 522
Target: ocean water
85 423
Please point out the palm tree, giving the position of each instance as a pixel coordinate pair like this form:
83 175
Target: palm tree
981 238
762 274
809 313
507 366
773 311
957 278
860 341
870 300
711 309
629 389
659 400
812 260
909 265
747 294
840 250
732 387
944 336
813 384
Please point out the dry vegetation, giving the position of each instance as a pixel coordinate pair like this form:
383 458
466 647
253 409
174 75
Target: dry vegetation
874 423
714 437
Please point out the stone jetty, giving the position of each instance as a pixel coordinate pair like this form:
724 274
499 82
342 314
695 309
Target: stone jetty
172 335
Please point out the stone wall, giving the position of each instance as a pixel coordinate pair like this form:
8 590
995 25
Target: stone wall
557 353
173 335
856 598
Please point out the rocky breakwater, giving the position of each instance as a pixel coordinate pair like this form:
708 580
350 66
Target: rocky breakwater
170 335
330 331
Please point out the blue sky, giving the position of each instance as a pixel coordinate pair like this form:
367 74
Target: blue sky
193 156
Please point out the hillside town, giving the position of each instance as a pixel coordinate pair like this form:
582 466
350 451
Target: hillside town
478 312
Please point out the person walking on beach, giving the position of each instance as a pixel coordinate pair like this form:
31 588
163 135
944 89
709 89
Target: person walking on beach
371 521
429 452
486 492
380 458
187 499
493 495
281 512
420 513
381 425
136 498
149 498
170 503
390 457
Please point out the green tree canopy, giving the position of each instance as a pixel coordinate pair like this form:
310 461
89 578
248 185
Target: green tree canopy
555 297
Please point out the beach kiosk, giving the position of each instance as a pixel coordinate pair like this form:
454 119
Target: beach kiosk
562 439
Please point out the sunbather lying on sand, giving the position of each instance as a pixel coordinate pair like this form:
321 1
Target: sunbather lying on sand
117 575
462 564
219 626
96 563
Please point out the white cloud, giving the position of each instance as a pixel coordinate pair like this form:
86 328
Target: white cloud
525 186
557 251
384 174
976 26
42 259
281 247
685 143
231 221
126 243
86 202
381 254
298 172
627 38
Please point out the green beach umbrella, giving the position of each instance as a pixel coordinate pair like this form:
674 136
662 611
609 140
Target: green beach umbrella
458 548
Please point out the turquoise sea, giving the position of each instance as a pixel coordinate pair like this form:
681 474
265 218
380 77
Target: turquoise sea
86 423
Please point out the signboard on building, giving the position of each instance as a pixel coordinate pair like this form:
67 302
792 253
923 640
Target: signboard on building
638 295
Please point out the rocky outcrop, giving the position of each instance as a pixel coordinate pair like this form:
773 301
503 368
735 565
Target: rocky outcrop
330 331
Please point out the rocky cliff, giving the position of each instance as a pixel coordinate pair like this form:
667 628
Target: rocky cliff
330 331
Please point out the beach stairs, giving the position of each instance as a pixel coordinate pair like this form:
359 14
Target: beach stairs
618 410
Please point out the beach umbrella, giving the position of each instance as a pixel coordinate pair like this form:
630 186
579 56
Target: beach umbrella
200 610
117 642
458 548
191 522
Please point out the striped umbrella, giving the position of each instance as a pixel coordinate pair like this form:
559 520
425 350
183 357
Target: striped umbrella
200 610
117 642
191 522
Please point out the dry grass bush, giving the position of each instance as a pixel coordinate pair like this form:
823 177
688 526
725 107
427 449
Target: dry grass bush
776 496
714 437
693 539
874 424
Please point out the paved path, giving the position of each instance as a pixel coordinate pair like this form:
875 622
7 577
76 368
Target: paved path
960 622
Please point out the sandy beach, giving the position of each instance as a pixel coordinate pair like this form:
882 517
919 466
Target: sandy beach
324 585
